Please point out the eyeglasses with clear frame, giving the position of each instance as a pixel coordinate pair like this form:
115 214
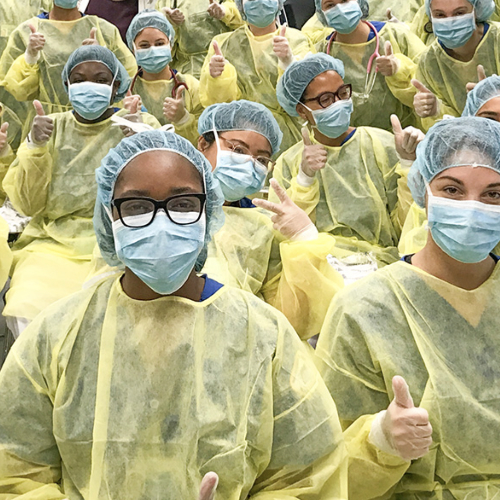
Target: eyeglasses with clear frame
326 99
262 162
181 209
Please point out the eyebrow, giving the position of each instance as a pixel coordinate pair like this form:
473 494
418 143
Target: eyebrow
495 184
449 177
236 140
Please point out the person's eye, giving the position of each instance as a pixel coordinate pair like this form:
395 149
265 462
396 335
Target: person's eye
493 195
451 190
239 150
160 44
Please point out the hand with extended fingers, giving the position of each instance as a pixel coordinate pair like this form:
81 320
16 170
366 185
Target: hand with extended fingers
175 16
426 104
281 47
134 114
388 65
92 39
290 220
217 62
36 42
481 75
314 156
406 140
216 10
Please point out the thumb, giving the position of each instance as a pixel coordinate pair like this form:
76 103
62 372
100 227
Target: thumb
179 93
280 192
217 50
481 74
38 108
402 396
211 2
388 14
283 30
32 28
134 106
208 486
305 136
388 48
420 86
93 33
396 125
129 93
4 127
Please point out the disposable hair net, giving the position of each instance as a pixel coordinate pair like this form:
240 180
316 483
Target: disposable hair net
300 74
460 142
241 115
483 8
239 4
483 92
149 19
120 156
365 8
97 53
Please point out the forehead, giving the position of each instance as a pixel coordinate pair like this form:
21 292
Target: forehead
150 34
471 176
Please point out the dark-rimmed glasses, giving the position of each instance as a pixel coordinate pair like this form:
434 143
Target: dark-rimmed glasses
259 161
326 99
181 209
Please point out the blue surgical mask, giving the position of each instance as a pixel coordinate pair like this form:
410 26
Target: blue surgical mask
334 120
260 13
66 4
154 59
454 32
466 230
344 17
163 254
90 100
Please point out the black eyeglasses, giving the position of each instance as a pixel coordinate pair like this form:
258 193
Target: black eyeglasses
181 209
344 93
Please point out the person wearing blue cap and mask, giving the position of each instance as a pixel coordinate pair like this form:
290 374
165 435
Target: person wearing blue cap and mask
196 23
171 97
52 181
464 39
482 101
431 318
379 57
348 179
247 63
37 50
164 375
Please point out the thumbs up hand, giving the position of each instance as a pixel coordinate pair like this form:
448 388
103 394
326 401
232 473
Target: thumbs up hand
3 138
42 127
405 427
481 75
36 43
173 107
92 39
406 140
217 62
425 102
281 47
314 156
175 16
132 103
216 10
388 65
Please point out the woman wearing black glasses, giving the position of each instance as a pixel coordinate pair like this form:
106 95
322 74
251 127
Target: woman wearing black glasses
349 180
140 386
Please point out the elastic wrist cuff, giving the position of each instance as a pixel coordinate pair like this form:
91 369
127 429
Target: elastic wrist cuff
304 180
31 60
184 119
377 436
310 233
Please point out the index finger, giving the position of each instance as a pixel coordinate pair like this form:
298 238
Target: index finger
280 192
217 50
268 205
396 125
208 486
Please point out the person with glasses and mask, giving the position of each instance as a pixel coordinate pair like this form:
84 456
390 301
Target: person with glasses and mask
379 57
150 381
52 181
247 63
349 180
431 318
171 97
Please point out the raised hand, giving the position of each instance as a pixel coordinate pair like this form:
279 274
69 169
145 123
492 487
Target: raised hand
217 62
216 10
175 15
388 65
36 42
407 428
42 127
281 47
406 140
132 102
481 75
92 39
425 102
290 220
173 107
314 156
3 138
